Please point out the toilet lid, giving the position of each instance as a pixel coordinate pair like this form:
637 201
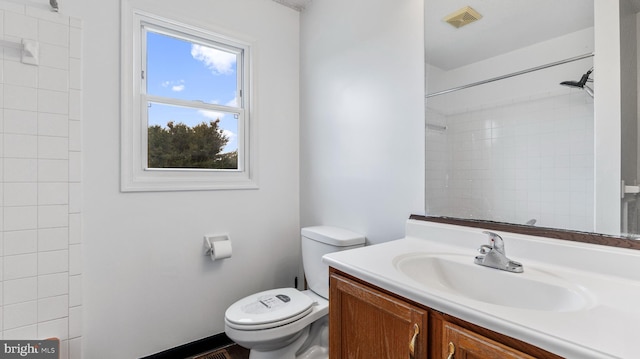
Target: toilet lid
274 307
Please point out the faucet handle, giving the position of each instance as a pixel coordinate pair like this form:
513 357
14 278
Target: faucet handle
495 241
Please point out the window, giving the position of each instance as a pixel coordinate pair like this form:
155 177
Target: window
185 99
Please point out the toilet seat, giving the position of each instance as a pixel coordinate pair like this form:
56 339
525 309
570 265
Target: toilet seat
268 309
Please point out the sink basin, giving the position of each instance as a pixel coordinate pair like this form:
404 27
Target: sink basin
457 274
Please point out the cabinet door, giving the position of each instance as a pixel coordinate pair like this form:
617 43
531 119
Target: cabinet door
368 324
460 343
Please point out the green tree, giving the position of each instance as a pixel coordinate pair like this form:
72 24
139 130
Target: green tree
181 146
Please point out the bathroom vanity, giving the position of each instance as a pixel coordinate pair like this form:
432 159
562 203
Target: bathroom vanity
422 296
369 322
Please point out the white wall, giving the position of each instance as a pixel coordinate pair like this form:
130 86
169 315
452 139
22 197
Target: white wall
40 205
147 285
362 115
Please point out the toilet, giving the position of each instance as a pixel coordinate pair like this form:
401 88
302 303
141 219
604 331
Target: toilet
286 323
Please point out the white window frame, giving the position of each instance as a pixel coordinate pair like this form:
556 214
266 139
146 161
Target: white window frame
135 176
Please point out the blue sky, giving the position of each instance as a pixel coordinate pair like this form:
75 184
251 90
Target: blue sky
183 70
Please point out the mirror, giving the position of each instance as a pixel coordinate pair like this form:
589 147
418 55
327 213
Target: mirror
505 141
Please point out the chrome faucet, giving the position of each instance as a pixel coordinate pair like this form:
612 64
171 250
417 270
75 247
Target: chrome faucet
493 255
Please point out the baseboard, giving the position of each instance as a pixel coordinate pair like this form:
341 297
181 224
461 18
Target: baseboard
190 349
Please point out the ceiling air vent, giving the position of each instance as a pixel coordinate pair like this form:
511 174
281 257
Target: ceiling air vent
462 17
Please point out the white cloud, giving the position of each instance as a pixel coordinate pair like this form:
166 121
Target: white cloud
213 115
176 86
230 135
232 103
219 62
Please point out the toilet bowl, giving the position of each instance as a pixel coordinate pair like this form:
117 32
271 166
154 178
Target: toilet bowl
286 323
265 333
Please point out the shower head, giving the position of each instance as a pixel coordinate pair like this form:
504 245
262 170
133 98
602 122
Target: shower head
582 84
54 5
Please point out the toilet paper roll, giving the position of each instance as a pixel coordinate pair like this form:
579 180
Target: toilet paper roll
220 250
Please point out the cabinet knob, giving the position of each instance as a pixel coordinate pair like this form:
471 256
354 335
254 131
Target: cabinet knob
452 350
412 343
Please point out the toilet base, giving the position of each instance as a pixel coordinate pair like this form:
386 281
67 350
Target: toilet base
313 343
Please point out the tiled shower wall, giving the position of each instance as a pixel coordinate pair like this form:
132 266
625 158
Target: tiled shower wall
40 257
516 161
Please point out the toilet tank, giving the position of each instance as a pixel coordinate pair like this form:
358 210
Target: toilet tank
318 241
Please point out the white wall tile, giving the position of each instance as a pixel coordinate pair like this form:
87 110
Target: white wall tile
20 290
20 218
53 79
53 33
53 101
19 25
75 348
20 194
75 135
75 43
75 228
75 197
524 164
20 315
40 220
54 56
20 122
20 98
75 104
65 348
75 74
53 193
75 290
51 239
52 170
20 266
44 13
53 147
51 285
20 146
53 216
75 167
53 308
19 74
75 259
53 262
50 124
30 331
20 170
12 6
75 322
57 328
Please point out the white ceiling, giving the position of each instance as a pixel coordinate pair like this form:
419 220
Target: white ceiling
506 26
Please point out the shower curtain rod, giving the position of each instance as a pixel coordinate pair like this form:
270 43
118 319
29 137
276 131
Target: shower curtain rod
541 67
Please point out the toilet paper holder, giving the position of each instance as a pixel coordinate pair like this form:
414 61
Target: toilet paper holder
213 243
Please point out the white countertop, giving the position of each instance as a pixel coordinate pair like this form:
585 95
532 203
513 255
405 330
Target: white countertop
608 327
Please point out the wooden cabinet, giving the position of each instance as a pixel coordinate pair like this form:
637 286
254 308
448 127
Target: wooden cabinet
462 343
367 322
